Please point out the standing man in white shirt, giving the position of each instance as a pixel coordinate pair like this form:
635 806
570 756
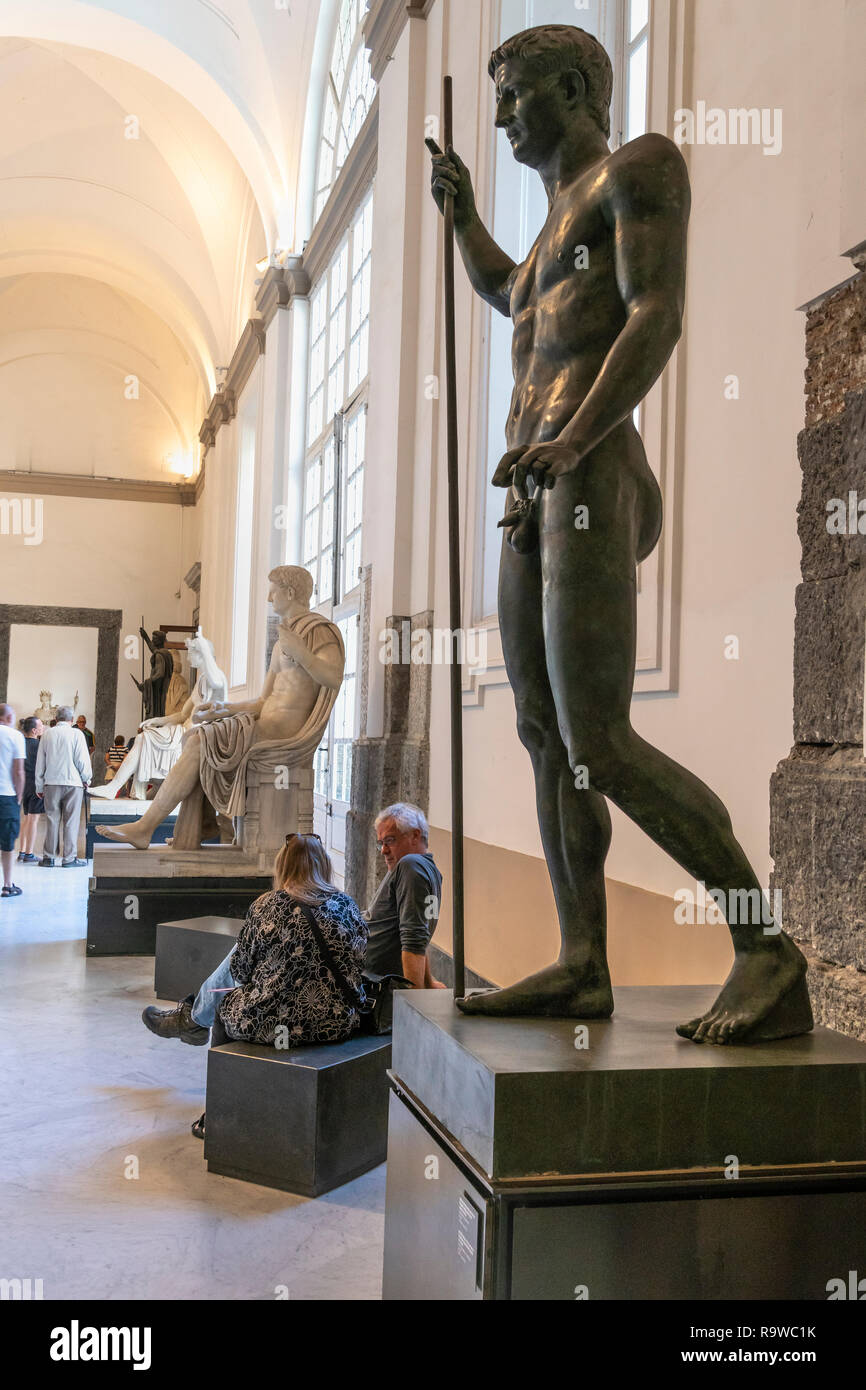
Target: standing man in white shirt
12 754
63 770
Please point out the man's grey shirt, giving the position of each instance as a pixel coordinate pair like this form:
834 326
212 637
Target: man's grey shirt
63 759
403 914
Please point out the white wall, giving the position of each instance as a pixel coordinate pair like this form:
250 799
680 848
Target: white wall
218 509
61 660
107 554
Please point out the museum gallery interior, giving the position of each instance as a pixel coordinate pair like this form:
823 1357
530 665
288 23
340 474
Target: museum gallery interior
432 628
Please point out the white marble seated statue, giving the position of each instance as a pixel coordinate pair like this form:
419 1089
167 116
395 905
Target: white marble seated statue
258 739
157 747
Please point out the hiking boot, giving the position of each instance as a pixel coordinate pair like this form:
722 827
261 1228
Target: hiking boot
176 1023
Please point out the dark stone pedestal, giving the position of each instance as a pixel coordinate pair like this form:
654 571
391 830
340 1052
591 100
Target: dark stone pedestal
187 952
640 1166
134 890
304 1120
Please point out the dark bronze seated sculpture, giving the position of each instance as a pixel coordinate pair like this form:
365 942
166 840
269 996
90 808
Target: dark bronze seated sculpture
592 333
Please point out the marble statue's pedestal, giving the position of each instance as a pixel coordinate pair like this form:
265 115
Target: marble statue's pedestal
605 1168
120 810
133 890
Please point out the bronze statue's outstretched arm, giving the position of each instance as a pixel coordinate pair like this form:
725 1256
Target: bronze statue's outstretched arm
488 267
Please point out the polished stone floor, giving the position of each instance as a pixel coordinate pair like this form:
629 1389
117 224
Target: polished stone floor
89 1096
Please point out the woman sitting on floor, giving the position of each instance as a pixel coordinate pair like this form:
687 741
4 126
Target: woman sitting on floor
274 987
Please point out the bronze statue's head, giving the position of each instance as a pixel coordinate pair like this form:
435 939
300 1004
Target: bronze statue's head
158 639
544 78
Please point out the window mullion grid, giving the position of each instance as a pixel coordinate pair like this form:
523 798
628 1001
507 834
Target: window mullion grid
339 435
629 49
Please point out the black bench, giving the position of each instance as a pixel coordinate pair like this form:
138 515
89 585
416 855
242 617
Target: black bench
190 950
304 1120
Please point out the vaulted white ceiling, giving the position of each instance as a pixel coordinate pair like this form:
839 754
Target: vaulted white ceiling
151 152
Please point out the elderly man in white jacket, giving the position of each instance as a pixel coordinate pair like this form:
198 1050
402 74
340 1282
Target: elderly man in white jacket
63 770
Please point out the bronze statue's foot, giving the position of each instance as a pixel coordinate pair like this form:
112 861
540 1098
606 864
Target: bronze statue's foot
125 835
764 998
560 991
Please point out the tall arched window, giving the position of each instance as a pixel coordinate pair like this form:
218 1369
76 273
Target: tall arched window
348 98
337 258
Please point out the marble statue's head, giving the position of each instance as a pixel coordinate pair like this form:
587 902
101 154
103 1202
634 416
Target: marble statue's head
198 648
545 77
289 584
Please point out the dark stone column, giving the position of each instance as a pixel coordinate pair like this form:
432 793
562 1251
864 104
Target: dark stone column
395 767
105 713
818 793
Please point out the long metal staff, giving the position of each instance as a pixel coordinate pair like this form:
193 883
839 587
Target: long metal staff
453 571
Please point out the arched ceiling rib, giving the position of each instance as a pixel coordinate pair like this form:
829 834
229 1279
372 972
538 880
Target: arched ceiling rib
149 157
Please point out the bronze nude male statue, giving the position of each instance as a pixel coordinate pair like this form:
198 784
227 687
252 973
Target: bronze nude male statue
591 335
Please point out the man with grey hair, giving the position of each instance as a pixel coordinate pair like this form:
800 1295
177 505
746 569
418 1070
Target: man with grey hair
403 915
63 770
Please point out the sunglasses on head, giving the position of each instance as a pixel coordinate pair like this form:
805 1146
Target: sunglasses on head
293 835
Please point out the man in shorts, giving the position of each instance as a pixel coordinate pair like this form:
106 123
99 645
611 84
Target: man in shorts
12 754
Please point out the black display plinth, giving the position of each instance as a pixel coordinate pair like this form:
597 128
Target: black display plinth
111 932
639 1166
304 1120
132 891
187 952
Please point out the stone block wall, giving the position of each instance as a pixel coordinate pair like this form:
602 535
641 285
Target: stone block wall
818 793
835 350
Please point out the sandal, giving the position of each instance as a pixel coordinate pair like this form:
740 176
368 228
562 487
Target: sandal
198 1127
11 890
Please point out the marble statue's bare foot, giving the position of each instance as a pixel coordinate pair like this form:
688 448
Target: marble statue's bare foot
560 991
125 835
764 998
